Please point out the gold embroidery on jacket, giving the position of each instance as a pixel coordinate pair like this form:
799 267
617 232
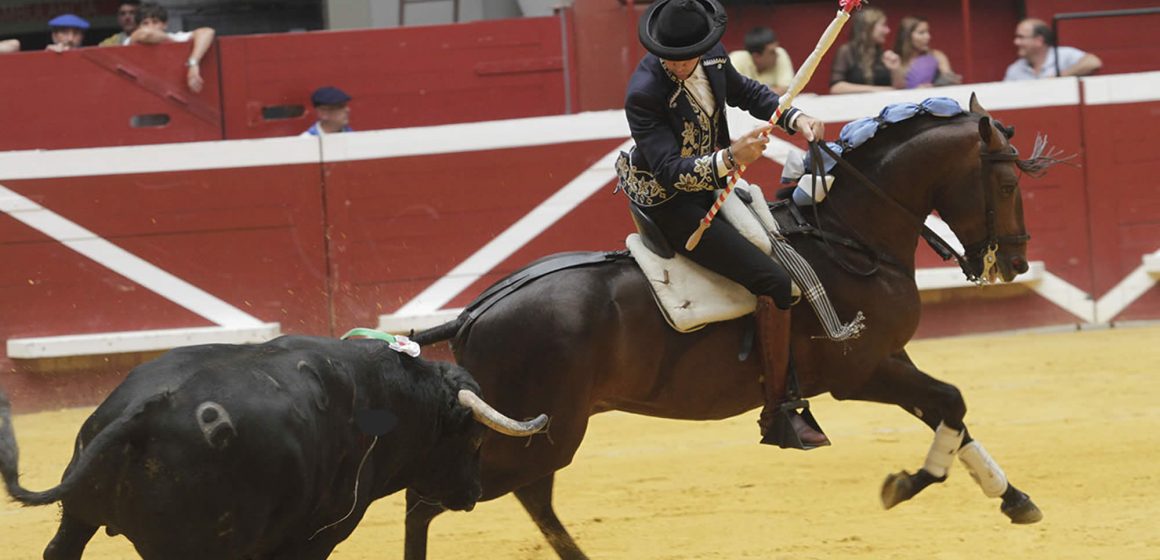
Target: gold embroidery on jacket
696 138
641 186
701 179
688 140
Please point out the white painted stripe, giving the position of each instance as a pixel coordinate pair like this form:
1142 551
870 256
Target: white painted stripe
1152 263
516 236
1121 88
469 137
1124 294
136 341
123 262
42 164
994 96
1134 285
1065 295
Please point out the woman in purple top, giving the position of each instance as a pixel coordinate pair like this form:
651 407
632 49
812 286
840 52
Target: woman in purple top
922 66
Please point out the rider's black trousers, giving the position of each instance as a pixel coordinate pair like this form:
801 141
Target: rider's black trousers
722 249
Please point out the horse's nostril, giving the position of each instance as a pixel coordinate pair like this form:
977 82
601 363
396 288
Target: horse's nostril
1019 264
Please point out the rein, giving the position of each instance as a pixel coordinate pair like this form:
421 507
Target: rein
986 248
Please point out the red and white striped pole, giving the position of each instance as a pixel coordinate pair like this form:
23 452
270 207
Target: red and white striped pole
800 79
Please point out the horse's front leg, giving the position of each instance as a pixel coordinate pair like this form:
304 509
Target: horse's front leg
940 406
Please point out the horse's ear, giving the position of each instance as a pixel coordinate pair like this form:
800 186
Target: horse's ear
976 107
986 130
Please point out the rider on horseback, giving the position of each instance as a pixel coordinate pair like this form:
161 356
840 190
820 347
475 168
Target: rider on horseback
676 110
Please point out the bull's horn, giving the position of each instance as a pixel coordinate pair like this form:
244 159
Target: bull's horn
495 420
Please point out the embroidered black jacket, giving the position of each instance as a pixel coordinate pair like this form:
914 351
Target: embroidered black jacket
676 139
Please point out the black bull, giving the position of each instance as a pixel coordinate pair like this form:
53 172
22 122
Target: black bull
264 451
589 339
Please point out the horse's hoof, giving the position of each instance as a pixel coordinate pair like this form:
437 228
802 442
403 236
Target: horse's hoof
897 488
1021 510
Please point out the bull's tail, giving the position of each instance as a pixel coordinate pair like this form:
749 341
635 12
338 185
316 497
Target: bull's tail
439 333
113 434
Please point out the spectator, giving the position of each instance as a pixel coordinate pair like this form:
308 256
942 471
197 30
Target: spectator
332 105
764 60
862 65
127 19
68 32
922 66
153 28
9 46
1035 43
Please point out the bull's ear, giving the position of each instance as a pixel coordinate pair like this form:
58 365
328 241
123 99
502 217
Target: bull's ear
986 131
375 422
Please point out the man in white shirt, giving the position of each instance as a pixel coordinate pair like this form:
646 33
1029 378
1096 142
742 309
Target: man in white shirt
153 28
1037 52
764 60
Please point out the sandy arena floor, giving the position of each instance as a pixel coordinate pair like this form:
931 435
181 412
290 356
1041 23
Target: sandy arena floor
1073 418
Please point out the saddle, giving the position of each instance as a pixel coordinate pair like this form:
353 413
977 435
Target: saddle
689 295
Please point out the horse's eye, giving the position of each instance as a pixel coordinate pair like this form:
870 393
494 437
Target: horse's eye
1008 189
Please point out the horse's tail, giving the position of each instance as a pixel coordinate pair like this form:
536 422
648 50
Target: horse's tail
113 434
439 333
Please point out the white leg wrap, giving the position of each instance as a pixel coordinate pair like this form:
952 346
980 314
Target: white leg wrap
983 469
942 450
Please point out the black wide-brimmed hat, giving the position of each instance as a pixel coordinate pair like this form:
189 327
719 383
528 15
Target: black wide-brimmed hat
681 29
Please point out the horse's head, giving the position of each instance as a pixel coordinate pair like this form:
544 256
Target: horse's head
986 209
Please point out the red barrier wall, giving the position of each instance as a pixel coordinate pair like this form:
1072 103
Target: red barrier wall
1123 194
399 77
410 76
89 97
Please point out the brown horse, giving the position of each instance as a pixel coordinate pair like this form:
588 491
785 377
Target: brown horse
590 339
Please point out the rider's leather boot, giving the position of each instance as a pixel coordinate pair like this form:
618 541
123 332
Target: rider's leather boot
781 422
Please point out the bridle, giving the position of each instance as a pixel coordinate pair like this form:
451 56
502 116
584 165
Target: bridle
989 246
985 249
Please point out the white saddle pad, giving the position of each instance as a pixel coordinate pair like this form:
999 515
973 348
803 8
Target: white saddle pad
691 296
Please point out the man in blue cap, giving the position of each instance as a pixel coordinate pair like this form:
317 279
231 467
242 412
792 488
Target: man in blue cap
332 105
68 32
675 107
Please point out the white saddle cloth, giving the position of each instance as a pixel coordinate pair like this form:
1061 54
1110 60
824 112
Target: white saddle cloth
691 296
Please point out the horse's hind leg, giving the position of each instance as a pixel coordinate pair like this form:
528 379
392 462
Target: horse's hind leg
70 539
537 499
940 406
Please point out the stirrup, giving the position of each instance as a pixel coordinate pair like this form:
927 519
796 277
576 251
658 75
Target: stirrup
781 432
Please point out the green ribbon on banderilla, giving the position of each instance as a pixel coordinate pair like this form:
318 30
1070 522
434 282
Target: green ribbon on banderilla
397 342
